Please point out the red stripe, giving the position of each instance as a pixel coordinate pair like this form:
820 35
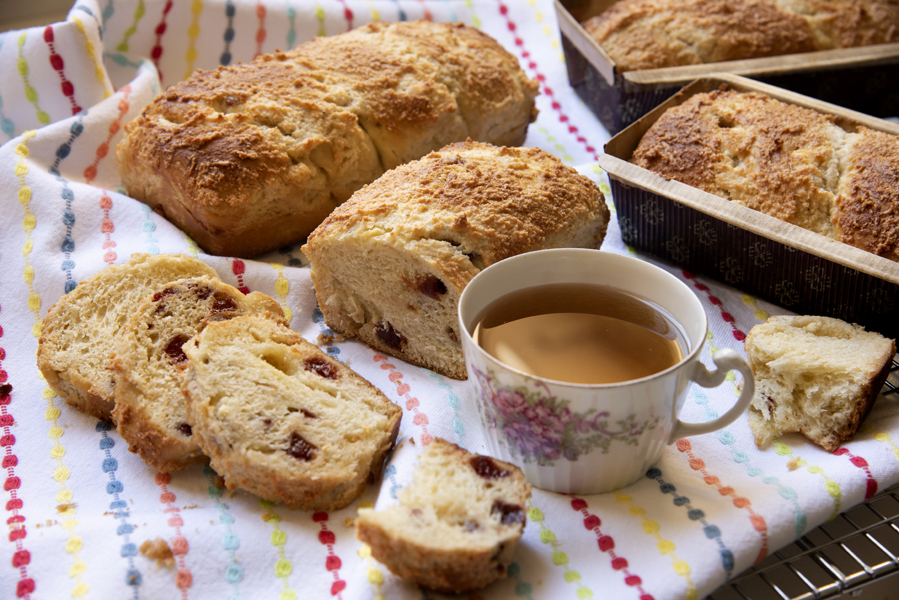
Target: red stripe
17 531
403 390
725 316
56 61
606 545
179 545
156 52
332 561
260 32
861 463
547 91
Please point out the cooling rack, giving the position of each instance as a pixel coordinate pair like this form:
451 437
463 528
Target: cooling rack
839 558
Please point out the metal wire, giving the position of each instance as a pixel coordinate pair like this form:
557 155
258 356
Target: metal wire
854 550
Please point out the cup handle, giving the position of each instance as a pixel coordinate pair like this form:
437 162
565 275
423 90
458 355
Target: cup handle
726 360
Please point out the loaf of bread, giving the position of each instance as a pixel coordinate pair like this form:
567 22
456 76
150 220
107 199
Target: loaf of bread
250 157
784 160
457 525
650 34
388 265
149 364
816 376
280 418
79 332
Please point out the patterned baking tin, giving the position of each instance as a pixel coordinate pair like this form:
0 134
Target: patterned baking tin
797 269
862 79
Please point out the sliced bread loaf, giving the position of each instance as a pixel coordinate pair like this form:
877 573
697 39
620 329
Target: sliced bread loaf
456 526
80 330
281 419
390 263
149 364
817 376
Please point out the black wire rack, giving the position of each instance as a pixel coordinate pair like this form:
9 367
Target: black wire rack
840 558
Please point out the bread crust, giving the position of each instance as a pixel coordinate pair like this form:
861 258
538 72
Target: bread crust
389 264
250 157
786 161
651 34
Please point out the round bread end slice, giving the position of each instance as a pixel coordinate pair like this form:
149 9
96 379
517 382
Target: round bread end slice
457 525
281 419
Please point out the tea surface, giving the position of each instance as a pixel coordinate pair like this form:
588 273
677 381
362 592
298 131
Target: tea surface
580 333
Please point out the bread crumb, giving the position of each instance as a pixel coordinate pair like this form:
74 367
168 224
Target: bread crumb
412 441
329 339
795 463
349 522
159 551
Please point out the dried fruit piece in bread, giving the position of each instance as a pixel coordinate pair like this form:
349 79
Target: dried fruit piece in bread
149 364
456 526
817 376
283 420
80 330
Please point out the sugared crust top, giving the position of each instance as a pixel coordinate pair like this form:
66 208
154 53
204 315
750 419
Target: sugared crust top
350 105
868 202
649 34
493 202
784 160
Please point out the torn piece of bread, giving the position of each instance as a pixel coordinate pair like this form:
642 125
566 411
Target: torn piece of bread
457 525
390 263
149 364
80 330
283 420
817 376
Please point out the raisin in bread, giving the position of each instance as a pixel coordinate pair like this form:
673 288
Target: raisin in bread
389 265
80 330
456 526
817 376
251 157
280 418
149 364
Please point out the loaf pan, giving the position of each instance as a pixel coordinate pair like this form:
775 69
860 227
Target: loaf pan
797 269
862 79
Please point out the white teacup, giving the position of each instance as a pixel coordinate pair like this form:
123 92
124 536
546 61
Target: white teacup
589 438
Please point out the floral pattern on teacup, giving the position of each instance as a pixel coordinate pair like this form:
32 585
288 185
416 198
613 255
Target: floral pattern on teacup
541 428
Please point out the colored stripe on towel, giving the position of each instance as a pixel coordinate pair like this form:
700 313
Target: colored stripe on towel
402 389
559 558
99 70
68 196
230 541
56 61
831 486
118 507
283 567
606 544
225 57
139 13
30 93
193 32
260 30
332 562
180 546
697 515
861 463
741 502
159 30
6 124
21 558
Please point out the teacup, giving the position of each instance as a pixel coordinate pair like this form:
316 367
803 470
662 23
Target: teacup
581 438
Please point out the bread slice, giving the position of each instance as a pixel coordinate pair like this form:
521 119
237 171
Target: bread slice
80 330
817 376
149 364
389 265
283 420
456 526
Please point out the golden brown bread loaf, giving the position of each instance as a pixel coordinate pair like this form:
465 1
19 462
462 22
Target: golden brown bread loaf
250 157
389 264
816 376
784 160
650 34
